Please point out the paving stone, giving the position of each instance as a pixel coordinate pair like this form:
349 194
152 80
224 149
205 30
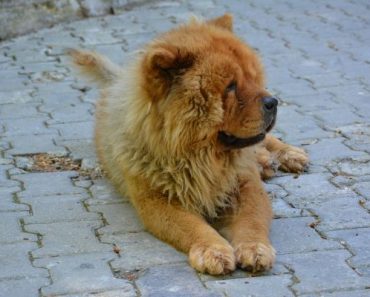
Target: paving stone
341 212
124 292
332 119
308 189
11 229
358 241
70 208
21 96
315 271
38 184
19 111
183 282
254 286
351 293
34 144
7 203
322 151
79 149
142 250
363 188
64 238
298 127
70 114
22 287
103 192
294 235
15 262
121 218
81 273
26 126
78 130
352 167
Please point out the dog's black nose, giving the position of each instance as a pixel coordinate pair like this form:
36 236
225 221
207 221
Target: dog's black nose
269 103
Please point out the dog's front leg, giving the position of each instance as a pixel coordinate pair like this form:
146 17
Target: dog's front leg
190 233
247 228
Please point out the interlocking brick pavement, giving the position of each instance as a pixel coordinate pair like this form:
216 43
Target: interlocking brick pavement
58 229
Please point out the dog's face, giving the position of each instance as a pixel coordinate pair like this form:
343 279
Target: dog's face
207 86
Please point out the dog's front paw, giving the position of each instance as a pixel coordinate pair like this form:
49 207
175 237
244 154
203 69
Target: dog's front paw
292 159
214 259
255 256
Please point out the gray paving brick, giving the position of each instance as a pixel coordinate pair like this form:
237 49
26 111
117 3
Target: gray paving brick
7 203
358 241
183 282
70 208
11 229
308 189
79 149
38 184
142 250
363 188
352 167
64 238
128 291
81 273
34 144
255 286
26 126
341 212
73 131
321 152
121 218
18 111
103 192
22 287
17 96
294 235
314 271
15 262
351 293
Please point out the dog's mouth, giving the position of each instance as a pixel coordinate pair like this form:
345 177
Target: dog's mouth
234 142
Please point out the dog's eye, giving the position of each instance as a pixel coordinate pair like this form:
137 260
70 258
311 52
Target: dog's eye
231 87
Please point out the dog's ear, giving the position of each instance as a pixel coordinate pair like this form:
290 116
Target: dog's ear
162 64
225 21
170 58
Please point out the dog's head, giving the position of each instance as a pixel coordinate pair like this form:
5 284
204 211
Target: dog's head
207 86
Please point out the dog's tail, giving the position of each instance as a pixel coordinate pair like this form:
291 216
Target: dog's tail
94 66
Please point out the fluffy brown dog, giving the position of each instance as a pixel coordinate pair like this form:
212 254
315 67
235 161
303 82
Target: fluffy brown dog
183 133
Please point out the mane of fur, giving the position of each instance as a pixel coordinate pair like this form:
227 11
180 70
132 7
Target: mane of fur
142 150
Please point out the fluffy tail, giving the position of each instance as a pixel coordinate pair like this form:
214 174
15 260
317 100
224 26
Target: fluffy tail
94 66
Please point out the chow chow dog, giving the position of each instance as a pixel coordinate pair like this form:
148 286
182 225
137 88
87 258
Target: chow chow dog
183 132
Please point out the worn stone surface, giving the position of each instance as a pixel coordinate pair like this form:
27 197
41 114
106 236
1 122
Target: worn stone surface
67 235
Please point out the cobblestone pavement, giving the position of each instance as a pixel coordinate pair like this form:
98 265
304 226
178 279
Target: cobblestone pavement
58 231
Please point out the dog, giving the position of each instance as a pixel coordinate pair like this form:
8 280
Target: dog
183 132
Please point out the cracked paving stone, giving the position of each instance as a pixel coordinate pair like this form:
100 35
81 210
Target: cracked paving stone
184 282
142 250
81 273
15 262
120 217
70 208
294 235
352 167
73 131
261 286
315 271
38 184
64 238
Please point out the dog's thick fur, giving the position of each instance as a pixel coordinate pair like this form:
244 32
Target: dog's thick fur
158 138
